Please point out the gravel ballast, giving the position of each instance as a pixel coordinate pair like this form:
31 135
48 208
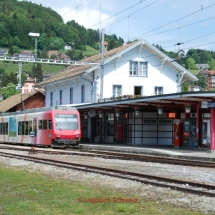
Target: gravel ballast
161 195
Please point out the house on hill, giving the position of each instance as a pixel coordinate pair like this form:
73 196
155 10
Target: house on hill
210 74
3 52
23 101
52 52
67 46
202 66
28 86
26 56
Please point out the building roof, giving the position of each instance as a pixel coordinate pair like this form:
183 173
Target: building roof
30 80
72 71
53 52
207 72
12 101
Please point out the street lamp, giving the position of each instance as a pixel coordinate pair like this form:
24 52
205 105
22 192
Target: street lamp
35 35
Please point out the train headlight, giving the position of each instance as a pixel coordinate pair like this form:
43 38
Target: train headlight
76 136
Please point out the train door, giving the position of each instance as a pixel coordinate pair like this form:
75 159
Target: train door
12 134
189 134
34 140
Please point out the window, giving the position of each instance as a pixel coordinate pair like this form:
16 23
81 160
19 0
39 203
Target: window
83 93
50 124
117 90
149 121
61 96
138 68
42 124
71 95
66 121
137 90
51 99
158 90
24 127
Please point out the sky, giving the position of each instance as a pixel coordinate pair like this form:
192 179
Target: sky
163 22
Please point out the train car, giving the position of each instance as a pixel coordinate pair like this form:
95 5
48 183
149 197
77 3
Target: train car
49 126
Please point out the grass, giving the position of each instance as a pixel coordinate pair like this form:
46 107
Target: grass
25 193
195 72
13 67
90 51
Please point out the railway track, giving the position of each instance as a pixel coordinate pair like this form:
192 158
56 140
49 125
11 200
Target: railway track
123 156
181 185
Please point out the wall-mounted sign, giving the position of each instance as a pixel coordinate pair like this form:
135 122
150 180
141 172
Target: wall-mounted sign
171 115
208 104
211 104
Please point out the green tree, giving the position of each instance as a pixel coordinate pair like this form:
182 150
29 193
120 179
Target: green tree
202 82
190 63
37 72
10 50
9 90
43 42
57 43
43 53
9 78
211 64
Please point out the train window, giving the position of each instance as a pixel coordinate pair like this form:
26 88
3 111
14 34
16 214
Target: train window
26 128
66 121
20 128
50 124
23 128
29 127
6 128
44 124
40 125
0 128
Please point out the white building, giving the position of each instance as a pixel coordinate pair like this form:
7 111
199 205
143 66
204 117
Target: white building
133 69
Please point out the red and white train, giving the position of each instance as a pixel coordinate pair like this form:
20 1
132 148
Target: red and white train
48 126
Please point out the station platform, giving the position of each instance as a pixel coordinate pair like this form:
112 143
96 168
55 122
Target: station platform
200 154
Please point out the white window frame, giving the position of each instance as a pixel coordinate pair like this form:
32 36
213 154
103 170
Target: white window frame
158 90
138 68
117 90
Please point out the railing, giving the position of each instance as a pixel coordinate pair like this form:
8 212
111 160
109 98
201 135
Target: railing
48 61
122 98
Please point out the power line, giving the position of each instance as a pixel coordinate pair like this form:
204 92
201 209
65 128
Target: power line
75 8
175 21
180 27
132 13
116 14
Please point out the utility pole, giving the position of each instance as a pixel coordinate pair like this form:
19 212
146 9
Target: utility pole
102 67
20 76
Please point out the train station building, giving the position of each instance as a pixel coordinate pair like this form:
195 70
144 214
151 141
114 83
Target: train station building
134 97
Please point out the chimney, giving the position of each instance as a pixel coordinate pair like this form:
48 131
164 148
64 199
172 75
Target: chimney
105 46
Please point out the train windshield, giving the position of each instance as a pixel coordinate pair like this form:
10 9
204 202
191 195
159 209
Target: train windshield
66 121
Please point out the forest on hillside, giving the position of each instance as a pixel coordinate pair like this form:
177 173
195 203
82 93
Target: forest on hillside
17 19
192 57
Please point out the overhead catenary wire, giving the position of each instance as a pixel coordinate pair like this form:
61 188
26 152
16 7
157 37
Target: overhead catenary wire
132 14
115 14
174 21
75 8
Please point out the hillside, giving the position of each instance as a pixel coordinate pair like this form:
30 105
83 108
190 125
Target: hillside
20 18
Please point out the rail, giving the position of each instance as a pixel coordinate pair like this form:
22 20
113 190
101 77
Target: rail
181 185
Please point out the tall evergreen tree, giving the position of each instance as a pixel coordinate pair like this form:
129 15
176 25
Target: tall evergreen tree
37 72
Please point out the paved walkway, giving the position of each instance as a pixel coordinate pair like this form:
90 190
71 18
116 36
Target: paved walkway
167 151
